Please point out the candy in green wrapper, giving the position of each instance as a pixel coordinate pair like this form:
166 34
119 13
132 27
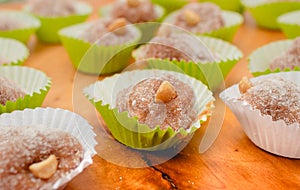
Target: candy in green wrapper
231 5
34 83
260 60
12 52
144 21
99 57
128 130
219 61
171 5
50 25
289 23
18 25
156 15
228 22
266 13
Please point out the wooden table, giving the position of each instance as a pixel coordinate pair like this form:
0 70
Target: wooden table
232 162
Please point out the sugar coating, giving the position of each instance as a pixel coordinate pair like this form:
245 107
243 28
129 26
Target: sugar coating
22 146
9 24
9 91
276 97
99 31
144 12
52 8
175 46
139 101
210 17
289 59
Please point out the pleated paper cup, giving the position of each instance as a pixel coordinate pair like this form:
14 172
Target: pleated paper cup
96 59
266 13
105 11
148 29
128 130
232 21
48 32
289 23
61 119
171 5
260 59
273 136
33 82
231 5
12 52
29 25
211 74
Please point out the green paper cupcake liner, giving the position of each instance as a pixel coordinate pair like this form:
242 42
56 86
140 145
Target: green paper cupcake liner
266 14
96 59
105 11
232 20
33 82
260 59
289 23
12 52
231 5
212 73
171 5
30 25
48 32
148 29
128 130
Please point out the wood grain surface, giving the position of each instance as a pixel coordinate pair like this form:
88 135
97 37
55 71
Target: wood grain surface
232 162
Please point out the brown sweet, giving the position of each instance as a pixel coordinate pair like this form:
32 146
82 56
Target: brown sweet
175 46
9 24
9 91
289 59
135 11
276 97
21 147
140 101
109 31
53 8
200 17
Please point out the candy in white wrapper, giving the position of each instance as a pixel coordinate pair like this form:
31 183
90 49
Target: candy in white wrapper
273 136
61 119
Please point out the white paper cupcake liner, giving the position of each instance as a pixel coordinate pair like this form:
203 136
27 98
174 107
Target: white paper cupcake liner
273 136
290 24
61 119
12 52
260 59
34 83
126 129
29 25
